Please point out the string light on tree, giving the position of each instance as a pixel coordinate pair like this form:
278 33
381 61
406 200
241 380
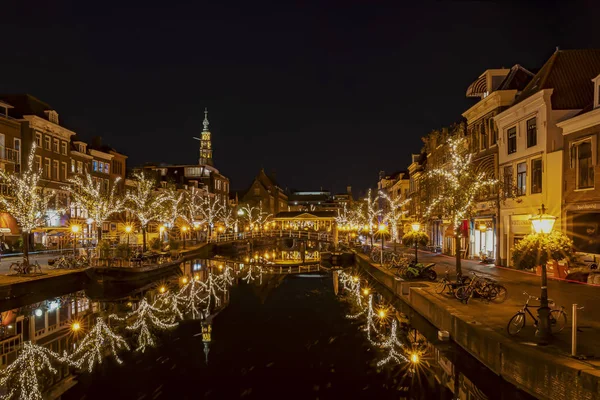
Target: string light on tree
145 317
392 344
94 346
21 377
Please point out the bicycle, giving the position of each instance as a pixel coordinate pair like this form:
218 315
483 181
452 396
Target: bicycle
446 285
23 268
558 317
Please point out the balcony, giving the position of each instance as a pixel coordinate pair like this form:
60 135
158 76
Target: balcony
9 155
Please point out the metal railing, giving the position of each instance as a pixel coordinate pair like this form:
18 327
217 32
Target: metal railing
230 237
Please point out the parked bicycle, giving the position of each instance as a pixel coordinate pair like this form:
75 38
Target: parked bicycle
487 289
22 267
445 285
417 270
558 317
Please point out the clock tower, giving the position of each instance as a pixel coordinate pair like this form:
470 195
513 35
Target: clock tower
206 157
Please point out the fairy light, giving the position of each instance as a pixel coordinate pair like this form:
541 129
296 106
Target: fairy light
21 377
394 213
145 317
94 347
392 344
89 195
76 326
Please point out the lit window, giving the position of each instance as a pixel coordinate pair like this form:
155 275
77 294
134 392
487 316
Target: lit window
94 165
72 165
536 176
79 167
512 140
521 179
585 167
531 132
106 168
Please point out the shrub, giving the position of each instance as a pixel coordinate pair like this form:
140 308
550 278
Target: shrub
418 237
104 248
123 250
535 249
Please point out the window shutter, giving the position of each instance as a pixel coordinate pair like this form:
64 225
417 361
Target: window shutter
595 150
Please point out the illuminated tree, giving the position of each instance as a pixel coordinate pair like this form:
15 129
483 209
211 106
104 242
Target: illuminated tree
26 201
210 210
251 214
457 186
371 213
227 216
99 203
145 203
394 213
192 207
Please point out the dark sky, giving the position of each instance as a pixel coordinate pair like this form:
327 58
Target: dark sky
324 94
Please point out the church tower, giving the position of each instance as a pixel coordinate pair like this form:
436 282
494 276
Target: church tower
206 157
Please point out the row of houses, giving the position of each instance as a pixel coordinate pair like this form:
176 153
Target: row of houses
61 155
536 133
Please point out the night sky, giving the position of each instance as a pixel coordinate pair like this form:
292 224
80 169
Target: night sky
325 95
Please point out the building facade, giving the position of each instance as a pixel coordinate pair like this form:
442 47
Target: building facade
266 192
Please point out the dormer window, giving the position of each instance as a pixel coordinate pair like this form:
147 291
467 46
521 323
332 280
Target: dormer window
52 116
596 82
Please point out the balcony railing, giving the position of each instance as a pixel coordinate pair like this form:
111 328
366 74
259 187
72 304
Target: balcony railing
10 155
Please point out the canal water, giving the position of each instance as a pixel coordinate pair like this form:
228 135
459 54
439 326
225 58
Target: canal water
287 337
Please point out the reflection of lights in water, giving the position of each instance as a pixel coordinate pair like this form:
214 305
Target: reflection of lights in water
311 275
196 266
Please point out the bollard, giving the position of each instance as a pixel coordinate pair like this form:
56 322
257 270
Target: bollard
574 331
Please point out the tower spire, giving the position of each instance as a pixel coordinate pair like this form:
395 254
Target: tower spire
205 122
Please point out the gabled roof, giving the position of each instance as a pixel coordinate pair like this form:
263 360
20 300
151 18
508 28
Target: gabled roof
569 73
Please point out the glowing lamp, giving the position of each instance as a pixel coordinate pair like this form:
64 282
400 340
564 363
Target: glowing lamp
415 226
128 229
483 227
414 358
220 267
542 223
355 278
161 229
38 312
184 228
366 291
381 313
184 280
75 228
240 212
75 326
162 289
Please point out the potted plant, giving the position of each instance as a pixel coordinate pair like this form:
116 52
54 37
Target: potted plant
534 250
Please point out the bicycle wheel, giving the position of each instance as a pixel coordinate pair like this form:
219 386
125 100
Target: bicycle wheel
441 286
516 323
430 274
558 320
498 293
463 293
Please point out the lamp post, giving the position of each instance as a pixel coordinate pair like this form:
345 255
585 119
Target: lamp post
381 231
75 230
542 225
183 231
416 227
128 230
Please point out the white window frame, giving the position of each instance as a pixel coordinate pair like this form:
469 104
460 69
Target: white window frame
575 159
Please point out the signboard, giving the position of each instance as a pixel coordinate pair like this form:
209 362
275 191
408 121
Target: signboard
520 224
584 207
4 230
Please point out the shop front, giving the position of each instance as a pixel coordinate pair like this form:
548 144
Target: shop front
450 238
483 237
519 227
583 227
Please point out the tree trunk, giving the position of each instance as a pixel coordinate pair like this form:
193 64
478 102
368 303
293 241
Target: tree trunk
144 239
25 236
99 233
457 249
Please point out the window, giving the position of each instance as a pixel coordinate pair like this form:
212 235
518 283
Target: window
531 132
218 184
38 163
521 179
94 165
56 147
63 148
63 171
18 154
106 168
493 132
38 139
47 142
508 180
512 140
47 168
483 137
536 176
55 175
105 185
72 165
79 167
585 168
257 191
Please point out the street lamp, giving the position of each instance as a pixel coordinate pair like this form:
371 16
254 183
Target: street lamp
183 231
128 230
416 227
542 225
75 229
381 232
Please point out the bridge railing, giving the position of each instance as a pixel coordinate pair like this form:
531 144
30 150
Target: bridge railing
230 237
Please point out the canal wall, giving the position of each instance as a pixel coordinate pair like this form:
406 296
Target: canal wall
541 373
